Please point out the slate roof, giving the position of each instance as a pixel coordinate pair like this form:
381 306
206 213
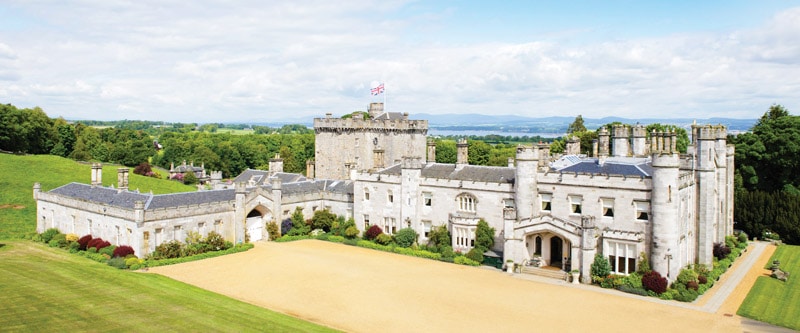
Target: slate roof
317 185
626 166
389 116
262 177
476 173
126 199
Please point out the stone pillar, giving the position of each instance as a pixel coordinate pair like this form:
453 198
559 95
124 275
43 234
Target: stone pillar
621 143
594 148
97 174
277 201
239 213
310 169
639 141
572 146
431 150
462 157
37 188
138 213
603 142
588 248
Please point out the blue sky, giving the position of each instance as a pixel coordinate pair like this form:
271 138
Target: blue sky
250 61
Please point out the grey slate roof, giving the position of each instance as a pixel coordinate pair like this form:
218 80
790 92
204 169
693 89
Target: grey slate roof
262 177
476 173
389 116
126 199
635 167
317 185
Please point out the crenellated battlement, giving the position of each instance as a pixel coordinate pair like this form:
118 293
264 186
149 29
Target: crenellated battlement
709 132
353 125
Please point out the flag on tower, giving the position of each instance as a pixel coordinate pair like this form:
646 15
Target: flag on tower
377 90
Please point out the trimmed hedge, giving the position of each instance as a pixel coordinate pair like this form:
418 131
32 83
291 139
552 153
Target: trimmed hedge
163 262
462 260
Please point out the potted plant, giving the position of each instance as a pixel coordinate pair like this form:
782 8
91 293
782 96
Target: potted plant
575 274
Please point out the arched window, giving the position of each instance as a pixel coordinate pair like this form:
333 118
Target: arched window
537 245
466 202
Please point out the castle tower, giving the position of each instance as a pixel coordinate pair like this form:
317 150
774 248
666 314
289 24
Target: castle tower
97 174
708 201
122 179
277 201
621 143
664 203
462 154
431 150
603 142
275 164
639 141
526 182
720 147
370 143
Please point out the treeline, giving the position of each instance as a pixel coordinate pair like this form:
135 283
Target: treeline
767 177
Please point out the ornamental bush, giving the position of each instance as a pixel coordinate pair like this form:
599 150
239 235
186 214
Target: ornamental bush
351 232
215 241
72 238
107 250
286 226
117 262
273 230
48 234
600 267
60 240
373 232
692 285
323 219
687 275
439 236
462 260
484 235
654 281
702 279
742 237
97 243
83 242
171 249
132 261
476 254
123 251
383 239
721 251
405 237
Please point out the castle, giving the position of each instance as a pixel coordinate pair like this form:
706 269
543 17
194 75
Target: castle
635 195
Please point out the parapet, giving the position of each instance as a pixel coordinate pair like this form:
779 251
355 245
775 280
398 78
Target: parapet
527 153
710 132
412 163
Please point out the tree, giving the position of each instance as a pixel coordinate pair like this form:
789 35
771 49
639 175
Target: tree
439 236
478 152
189 178
323 219
299 226
405 237
576 126
600 267
484 236
445 151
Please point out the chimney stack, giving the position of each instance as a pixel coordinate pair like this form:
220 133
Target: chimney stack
462 157
122 179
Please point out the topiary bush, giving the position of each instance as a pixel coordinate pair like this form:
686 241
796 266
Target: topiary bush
405 237
383 239
48 234
83 242
600 267
655 282
721 251
123 251
476 254
373 232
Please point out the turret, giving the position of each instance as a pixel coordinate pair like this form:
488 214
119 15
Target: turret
526 182
639 141
409 191
621 143
709 200
664 204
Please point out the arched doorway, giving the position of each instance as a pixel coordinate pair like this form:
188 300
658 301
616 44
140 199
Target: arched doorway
255 225
556 251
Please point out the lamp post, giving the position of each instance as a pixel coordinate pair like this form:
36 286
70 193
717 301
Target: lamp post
668 257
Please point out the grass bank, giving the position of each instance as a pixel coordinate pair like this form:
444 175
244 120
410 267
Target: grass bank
776 302
47 289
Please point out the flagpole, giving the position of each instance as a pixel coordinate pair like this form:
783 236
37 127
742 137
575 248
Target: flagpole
384 97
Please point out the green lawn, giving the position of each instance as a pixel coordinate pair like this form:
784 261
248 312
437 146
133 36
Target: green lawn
48 289
18 173
773 301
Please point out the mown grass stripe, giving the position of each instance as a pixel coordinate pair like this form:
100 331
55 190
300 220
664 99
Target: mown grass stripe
776 302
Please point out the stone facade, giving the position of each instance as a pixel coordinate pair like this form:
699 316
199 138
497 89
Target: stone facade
638 195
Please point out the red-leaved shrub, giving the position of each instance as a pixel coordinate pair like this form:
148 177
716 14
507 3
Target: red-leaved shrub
702 279
692 285
721 251
97 243
652 280
83 241
373 232
123 251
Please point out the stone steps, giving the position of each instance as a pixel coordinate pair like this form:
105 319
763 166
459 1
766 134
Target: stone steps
550 273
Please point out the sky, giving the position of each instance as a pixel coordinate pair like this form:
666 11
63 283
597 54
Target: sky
267 61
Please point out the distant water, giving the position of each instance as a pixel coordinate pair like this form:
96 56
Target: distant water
435 132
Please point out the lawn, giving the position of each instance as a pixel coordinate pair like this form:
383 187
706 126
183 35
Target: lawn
774 301
18 173
48 289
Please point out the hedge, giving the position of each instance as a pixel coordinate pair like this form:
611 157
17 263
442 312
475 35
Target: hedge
163 262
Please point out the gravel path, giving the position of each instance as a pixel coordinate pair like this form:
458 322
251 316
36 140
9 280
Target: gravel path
361 290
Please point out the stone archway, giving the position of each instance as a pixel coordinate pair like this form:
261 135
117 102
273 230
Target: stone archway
255 223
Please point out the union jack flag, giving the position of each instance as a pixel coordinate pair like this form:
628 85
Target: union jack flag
377 90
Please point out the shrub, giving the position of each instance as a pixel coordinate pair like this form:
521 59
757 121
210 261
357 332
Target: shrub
53 243
107 250
383 239
83 242
143 169
373 232
462 260
742 237
405 237
286 226
686 276
273 230
351 232
123 251
731 241
214 241
132 261
48 234
634 280
71 238
60 240
97 243
476 254
721 251
484 235
171 249
613 281
692 285
323 219
447 253
439 236
702 279
600 267
74 247
686 295
117 262
632 290
654 281
644 264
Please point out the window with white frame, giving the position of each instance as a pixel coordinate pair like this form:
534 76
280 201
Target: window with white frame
366 222
547 199
466 203
389 225
575 204
642 210
463 238
622 257
427 198
608 207
426 227
508 203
